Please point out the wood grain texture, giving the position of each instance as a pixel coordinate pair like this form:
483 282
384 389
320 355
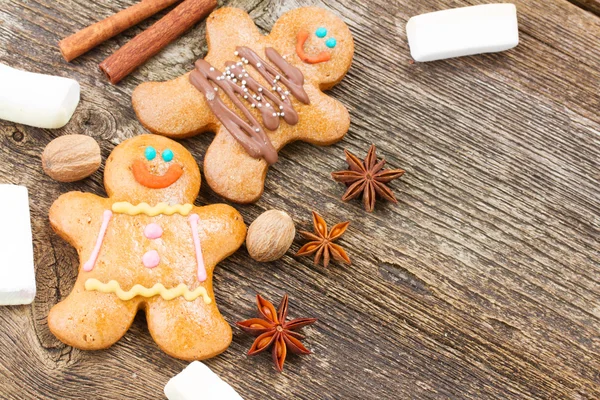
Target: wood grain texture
482 283
592 6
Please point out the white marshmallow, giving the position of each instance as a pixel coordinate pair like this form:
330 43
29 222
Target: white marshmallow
198 382
43 101
463 31
17 275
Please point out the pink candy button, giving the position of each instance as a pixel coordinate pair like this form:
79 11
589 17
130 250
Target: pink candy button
153 231
151 259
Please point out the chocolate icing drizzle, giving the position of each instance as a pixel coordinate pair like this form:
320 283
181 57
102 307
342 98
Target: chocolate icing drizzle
273 102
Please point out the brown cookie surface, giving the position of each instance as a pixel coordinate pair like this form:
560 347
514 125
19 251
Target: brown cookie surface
146 247
178 109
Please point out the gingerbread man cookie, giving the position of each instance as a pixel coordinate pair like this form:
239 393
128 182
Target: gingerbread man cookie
257 93
146 247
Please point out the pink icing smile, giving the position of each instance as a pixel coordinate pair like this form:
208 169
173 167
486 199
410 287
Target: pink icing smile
151 259
153 231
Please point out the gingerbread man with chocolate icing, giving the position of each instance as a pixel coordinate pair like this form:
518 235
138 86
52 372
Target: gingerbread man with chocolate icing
146 247
257 93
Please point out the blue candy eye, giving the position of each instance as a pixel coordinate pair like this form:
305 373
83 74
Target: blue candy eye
167 155
321 32
331 42
150 153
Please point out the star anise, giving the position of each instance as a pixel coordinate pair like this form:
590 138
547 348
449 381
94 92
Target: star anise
274 331
321 242
367 177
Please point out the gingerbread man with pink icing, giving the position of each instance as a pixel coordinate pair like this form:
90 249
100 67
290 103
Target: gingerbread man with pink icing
146 247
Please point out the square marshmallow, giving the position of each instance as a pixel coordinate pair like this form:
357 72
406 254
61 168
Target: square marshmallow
463 31
198 382
17 275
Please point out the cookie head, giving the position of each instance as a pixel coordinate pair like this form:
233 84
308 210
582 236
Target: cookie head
152 169
319 41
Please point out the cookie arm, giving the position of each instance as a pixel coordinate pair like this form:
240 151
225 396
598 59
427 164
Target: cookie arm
221 231
325 123
77 217
174 108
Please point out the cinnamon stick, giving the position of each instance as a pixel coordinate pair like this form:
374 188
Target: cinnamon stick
90 37
151 41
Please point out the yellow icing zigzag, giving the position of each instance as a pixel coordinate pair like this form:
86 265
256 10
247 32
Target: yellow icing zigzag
125 207
139 290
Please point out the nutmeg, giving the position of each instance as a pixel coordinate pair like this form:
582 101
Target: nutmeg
270 236
70 158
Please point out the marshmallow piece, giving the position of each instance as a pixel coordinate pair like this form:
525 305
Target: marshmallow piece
43 101
463 31
198 382
17 275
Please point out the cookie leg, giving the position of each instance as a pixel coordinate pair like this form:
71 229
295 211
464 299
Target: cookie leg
91 320
189 330
231 172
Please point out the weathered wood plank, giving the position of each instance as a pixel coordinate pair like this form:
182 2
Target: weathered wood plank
592 6
482 283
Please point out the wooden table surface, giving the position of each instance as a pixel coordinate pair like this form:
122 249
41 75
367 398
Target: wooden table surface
483 282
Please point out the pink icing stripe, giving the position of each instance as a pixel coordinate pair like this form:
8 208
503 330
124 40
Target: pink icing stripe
89 265
199 259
